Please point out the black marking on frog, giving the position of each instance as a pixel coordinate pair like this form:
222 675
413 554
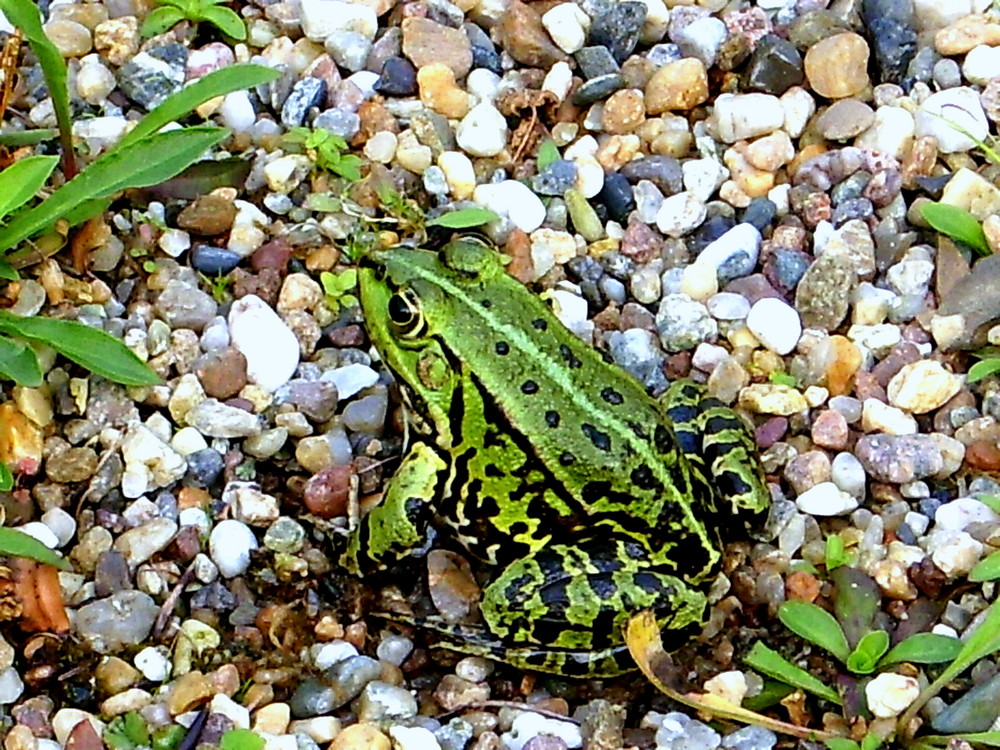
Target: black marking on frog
601 440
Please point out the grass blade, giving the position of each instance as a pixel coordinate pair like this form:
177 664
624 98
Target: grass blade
177 105
25 15
143 163
19 363
21 180
96 350
463 218
18 544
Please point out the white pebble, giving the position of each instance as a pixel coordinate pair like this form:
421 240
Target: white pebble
154 663
513 200
889 694
703 177
322 18
40 532
230 545
237 111
981 64
61 523
381 147
742 239
482 132
483 84
567 24
680 214
775 324
270 347
558 80
352 378
960 106
878 416
826 499
174 242
741 116
963 511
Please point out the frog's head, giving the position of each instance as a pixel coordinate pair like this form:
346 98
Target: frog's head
408 300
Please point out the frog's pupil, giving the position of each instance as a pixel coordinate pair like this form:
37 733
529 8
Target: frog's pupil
400 311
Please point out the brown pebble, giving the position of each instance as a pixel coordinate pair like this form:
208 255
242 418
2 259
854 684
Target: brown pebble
521 33
274 255
983 455
349 335
327 491
426 41
518 249
829 430
845 119
967 33
222 373
837 67
208 216
801 586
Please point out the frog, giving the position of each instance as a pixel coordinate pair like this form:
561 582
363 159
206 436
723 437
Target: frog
586 498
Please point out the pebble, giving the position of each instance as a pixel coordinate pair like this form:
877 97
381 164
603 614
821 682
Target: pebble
426 42
269 346
775 66
826 499
523 36
676 731
680 214
775 324
117 622
568 25
889 694
182 305
513 200
920 387
959 105
845 119
743 116
140 544
323 18
483 131
230 545
527 726
837 67
966 33
682 323
680 85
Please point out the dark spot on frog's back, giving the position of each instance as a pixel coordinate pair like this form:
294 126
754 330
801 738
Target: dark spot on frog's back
601 440
643 478
569 358
529 387
663 439
567 459
552 418
502 348
612 396
540 324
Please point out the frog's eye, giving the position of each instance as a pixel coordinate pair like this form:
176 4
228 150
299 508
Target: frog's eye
405 314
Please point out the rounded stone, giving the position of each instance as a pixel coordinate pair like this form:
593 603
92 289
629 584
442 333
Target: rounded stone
837 67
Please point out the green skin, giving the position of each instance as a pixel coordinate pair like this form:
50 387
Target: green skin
590 499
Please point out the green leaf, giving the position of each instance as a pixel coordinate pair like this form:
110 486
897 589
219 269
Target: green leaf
547 153
783 378
27 137
836 553
990 501
987 569
241 739
463 218
97 351
856 604
19 363
24 14
923 648
872 647
161 19
15 543
957 223
871 742
773 664
6 478
7 271
21 180
177 105
815 625
140 164
226 21
983 369
169 737
841 743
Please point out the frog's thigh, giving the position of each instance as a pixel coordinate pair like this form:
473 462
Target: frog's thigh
578 597
398 524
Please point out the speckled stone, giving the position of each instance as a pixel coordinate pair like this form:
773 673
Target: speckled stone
426 41
681 85
845 119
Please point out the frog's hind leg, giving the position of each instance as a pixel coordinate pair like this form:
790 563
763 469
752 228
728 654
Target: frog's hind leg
721 448
563 608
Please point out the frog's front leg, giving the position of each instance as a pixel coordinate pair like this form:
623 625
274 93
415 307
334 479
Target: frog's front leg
563 608
398 524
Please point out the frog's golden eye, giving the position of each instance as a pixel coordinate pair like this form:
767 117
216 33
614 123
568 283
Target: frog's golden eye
405 313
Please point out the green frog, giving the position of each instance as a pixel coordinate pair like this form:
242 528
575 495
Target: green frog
589 499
